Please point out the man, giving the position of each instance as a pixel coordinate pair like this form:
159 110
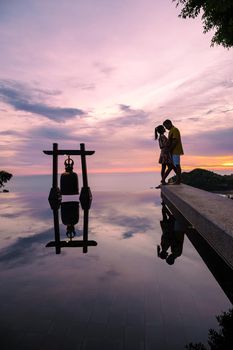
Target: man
175 147
172 237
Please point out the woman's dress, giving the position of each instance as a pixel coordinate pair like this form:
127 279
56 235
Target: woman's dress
165 155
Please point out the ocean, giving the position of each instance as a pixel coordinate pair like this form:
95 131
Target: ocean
97 182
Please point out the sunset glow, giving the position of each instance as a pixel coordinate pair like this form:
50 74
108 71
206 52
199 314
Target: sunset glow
230 164
106 73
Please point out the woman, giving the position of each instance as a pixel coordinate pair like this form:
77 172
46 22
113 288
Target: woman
165 158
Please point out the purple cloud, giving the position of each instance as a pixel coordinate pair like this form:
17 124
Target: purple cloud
20 98
215 142
131 117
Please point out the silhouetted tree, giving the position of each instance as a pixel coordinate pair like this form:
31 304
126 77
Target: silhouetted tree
218 340
197 346
4 177
216 15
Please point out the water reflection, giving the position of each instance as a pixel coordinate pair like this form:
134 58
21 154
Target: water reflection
174 226
130 300
70 218
172 237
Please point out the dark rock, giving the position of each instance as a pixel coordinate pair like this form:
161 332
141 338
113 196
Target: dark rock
207 180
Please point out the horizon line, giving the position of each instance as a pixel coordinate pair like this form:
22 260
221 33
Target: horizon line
141 171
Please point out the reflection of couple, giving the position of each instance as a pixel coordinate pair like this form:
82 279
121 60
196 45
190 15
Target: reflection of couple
172 237
171 150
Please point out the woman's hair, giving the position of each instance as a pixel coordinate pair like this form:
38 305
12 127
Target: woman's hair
159 130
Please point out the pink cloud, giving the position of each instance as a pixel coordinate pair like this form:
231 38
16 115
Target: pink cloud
110 73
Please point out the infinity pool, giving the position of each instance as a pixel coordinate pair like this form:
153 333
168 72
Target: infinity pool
117 295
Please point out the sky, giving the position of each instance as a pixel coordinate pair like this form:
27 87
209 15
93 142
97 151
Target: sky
105 73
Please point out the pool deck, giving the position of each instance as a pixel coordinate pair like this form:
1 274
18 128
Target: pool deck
209 213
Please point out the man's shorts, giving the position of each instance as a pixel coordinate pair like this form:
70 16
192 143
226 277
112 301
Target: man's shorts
176 159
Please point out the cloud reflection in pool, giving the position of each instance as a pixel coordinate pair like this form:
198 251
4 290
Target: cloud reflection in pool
119 294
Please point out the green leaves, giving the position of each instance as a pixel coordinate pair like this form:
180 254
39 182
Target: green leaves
216 15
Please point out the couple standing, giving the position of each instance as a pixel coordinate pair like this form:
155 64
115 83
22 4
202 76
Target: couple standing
171 150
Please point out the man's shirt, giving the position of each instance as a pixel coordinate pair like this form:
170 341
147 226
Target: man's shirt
175 134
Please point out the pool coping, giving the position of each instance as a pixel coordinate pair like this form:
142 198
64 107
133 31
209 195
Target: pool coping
209 213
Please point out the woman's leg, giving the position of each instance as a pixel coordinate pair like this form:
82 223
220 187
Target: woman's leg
170 167
163 171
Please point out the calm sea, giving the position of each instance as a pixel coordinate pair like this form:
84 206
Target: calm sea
97 182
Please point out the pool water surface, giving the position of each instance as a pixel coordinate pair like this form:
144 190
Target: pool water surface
119 294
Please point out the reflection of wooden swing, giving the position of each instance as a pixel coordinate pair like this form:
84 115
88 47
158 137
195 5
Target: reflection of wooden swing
70 217
70 210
